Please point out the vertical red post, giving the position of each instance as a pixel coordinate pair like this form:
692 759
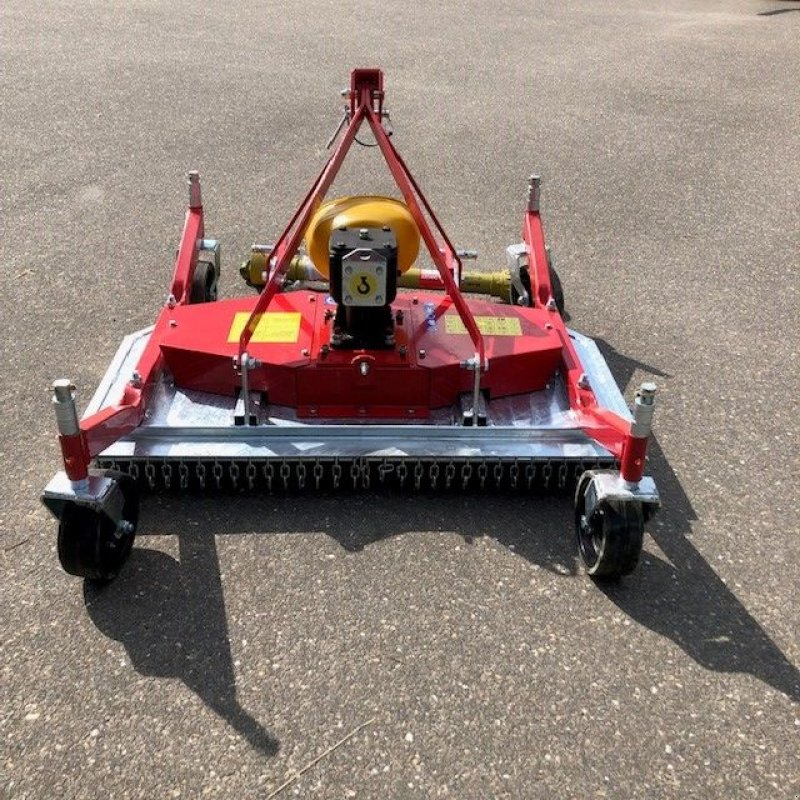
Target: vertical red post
634 449
74 448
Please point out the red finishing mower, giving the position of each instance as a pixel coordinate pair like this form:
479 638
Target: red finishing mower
353 366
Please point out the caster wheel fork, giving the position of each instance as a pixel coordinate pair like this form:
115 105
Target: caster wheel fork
609 532
93 543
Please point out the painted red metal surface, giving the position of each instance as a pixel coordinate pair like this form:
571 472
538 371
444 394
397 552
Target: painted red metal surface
75 455
421 372
195 342
632 463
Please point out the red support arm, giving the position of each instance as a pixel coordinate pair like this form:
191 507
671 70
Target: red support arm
110 424
366 102
186 260
538 269
289 240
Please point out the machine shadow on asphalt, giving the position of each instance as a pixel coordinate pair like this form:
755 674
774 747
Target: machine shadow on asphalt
170 616
681 598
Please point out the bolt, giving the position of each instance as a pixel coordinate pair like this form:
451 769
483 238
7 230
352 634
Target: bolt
363 233
348 270
415 301
348 299
136 379
422 354
379 270
173 323
647 393
363 368
304 351
171 301
548 326
386 229
403 351
583 381
324 350
551 305
378 298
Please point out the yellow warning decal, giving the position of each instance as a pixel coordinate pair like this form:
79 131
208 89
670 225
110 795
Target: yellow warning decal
274 327
488 326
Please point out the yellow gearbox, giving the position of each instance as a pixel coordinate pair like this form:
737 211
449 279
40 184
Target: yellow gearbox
363 211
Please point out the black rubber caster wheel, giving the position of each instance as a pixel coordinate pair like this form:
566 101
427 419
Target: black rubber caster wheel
90 544
610 542
204 283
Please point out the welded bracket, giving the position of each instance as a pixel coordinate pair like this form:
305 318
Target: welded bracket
517 258
608 486
100 493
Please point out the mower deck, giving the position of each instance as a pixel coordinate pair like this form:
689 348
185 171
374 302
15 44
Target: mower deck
188 434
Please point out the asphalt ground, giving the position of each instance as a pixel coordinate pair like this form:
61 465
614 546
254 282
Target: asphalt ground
455 635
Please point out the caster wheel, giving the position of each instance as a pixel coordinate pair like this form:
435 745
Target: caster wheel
90 544
610 542
204 284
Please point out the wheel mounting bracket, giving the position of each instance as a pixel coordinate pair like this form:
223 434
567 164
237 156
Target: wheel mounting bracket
101 493
599 487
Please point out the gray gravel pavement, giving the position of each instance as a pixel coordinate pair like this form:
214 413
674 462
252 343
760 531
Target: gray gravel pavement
246 637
